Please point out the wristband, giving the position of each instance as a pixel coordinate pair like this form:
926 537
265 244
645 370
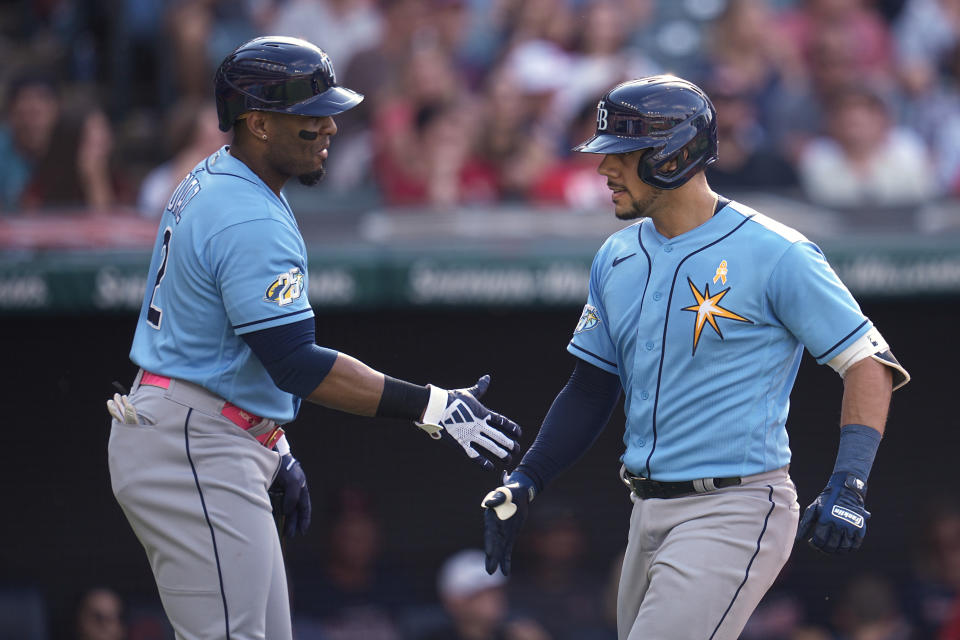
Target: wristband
402 399
857 449
282 446
430 420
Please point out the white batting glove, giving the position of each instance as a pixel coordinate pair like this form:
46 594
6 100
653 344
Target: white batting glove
122 409
457 416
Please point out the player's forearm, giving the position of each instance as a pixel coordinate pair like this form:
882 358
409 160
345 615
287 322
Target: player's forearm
867 387
579 413
350 386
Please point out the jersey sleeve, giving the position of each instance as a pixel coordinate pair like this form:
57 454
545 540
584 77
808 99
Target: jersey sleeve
261 270
591 338
813 304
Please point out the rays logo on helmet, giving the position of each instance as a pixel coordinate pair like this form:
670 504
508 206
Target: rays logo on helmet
327 66
601 116
286 288
588 320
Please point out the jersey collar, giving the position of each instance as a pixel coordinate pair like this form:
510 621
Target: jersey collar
721 223
221 161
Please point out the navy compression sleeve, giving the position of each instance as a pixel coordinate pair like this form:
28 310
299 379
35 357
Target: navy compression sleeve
578 415
291 357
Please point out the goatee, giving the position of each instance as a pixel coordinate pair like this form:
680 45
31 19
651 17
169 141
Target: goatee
312 178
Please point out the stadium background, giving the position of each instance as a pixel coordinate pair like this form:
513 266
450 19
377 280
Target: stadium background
433 288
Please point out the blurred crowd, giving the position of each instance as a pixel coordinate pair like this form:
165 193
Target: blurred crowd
846 104
355 589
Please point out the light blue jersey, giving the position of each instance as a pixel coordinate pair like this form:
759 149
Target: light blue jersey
706 331
229 259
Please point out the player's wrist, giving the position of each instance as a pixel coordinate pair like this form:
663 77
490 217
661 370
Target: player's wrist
401 399
525 473
856 451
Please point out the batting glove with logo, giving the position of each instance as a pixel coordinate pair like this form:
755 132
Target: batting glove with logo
291 485
458 417
504 510
836 521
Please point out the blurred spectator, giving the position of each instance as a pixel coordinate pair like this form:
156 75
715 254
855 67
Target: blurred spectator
745 38
76 169
747 161
477 603
865 159
425 139
139 75
32 110
99 616
540 69
571 180
339 27
935 114
926 33
859 22
556 589
440 167
932 597
446 27
601 59
67 35
379 71
869 610
545 20
744 49
192 134
350 597
200 33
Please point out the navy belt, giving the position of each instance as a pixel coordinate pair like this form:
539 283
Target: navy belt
646 488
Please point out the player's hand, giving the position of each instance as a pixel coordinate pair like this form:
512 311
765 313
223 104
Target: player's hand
487 437
291 483
504 510
122 409
836 521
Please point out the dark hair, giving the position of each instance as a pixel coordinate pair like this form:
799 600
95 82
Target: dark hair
27 80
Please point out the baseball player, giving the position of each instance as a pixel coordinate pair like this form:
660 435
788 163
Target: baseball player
699 312
225 346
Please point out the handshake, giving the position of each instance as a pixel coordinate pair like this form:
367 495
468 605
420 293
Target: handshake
458 418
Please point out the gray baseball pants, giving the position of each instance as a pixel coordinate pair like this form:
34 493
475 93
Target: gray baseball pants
193 486
697 566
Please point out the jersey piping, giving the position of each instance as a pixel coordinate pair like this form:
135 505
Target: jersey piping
841 341
666 321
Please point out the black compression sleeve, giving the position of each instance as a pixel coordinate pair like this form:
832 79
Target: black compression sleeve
289 355
402 399
578 415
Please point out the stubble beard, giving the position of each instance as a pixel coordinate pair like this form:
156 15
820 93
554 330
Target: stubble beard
312 178
638 208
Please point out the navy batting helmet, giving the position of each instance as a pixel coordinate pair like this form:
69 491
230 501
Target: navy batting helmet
280 74
670 116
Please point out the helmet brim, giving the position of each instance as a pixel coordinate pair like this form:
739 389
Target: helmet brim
606 143
329 103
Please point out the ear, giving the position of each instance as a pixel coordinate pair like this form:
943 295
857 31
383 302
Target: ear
258 124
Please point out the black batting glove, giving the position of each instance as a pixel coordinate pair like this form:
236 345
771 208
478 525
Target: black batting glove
837 520
291 484
504 510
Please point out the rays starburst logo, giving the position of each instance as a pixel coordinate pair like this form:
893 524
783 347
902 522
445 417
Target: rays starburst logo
708 309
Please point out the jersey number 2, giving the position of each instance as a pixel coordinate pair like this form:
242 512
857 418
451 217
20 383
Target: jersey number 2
154 313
